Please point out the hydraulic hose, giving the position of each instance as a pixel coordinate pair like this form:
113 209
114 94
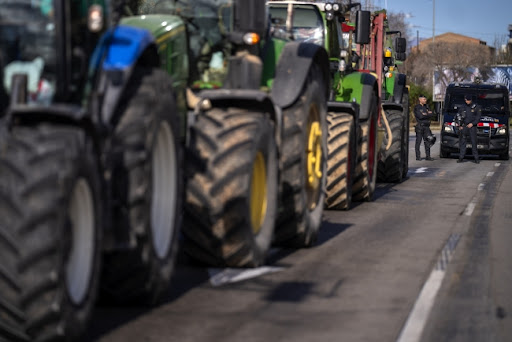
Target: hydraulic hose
388 129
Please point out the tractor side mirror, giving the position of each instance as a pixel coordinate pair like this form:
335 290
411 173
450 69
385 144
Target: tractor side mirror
400 45
362 27
400 56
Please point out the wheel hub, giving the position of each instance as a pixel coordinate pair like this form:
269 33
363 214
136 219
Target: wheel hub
314 153
258 193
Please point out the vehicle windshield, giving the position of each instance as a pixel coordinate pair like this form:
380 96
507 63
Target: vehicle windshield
491 101
27 45
307 22
207 15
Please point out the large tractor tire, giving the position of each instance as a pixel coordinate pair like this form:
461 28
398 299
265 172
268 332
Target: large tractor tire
366 169
406 129
304 166
232 188
50 233
148 190
391 164
341 146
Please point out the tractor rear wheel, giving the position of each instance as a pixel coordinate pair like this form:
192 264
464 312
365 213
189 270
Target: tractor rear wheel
405 143
232 187
340 162
148 189
366 173
50 233
304 163
390 165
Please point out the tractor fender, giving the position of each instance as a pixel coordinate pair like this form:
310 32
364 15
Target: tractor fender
399 88
115 57
55 113
369 84
293 68
351 108
242 98
392 105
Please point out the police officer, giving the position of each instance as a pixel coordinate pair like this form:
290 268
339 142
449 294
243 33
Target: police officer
423 114
471 113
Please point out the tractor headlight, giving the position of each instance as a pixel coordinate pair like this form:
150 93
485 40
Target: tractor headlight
501 131
251 38
336 7
328 7
95 18
343 65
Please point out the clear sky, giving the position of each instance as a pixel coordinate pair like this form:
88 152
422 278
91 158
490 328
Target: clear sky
485 20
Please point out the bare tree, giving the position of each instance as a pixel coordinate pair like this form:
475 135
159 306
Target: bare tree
397 22
457 59
503 50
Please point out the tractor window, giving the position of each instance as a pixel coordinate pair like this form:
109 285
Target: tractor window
307 22
27 40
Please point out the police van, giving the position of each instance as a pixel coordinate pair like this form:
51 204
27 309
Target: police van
493 128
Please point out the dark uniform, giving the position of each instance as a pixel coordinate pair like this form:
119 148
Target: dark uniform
470 113
422 128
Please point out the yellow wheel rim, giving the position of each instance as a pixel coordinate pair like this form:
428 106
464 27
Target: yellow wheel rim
258 193
314 161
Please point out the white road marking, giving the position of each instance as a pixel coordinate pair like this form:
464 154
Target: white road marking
490 174
469 208
221 276
497 164
481 186
413 328
421 170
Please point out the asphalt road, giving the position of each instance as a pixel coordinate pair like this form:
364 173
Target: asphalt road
427 260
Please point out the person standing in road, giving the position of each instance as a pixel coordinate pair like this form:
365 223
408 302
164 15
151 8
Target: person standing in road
423 114
470 114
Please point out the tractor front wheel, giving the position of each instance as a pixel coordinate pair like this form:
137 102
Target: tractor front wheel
304 163
341 160
148 191
231 198
50 233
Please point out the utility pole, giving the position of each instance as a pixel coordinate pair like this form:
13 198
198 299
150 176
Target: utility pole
418 39
433 20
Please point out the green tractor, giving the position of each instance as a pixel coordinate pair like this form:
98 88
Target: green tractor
353 106
394 158
91 170
255 131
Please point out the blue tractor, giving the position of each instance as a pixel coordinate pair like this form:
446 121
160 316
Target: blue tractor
90 166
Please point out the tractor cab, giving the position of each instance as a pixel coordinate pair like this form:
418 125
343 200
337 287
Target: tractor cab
43 55
28 40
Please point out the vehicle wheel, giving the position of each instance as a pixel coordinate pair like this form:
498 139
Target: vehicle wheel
50 233
148 187
443 153
365 173
341 147
304 163
231 199
390 166
405 143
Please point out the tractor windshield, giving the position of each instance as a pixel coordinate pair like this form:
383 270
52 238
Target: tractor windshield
307 22
209 16
27 45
